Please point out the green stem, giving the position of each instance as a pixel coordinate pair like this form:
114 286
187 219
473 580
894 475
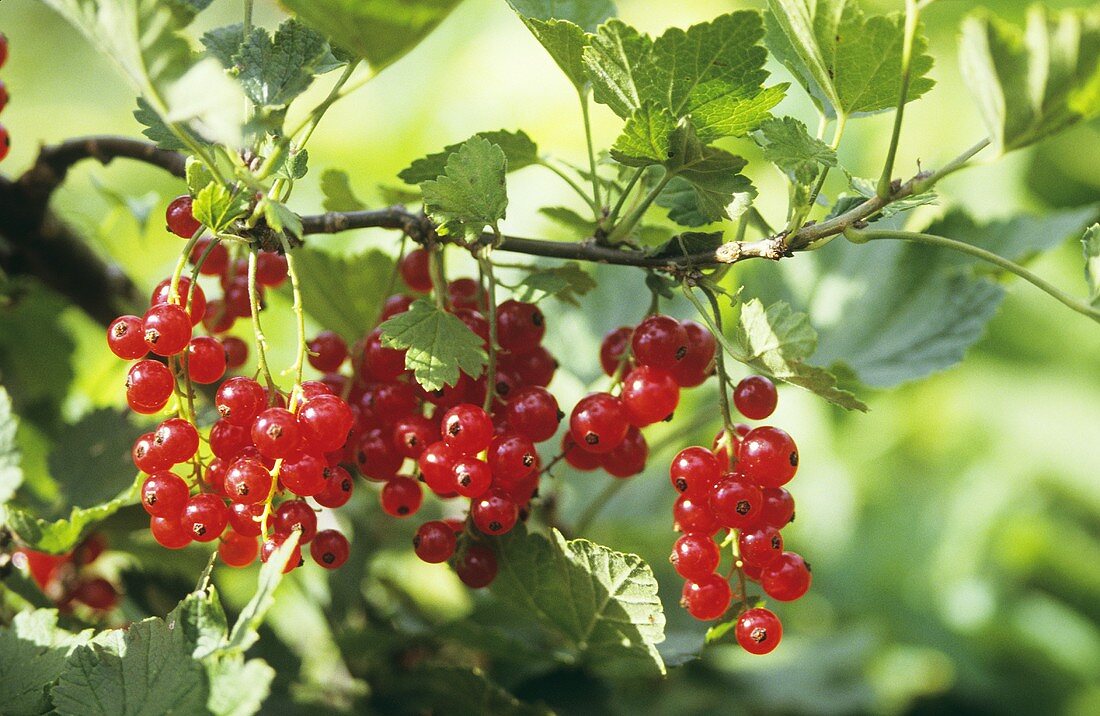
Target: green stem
257 331
800 217
574 185
922 185
299 313
614 215
861 236
912 13
311 121
631 220
485 264
439 279
591 154
181 263
720 367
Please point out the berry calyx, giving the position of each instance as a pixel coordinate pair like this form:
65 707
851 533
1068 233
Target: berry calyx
599 422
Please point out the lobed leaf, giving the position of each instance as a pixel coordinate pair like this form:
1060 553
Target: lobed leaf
438 344
566 282
337 190
343 293
471 193
519 149
60 536
273 70
788 145
33 652
217 207
563 28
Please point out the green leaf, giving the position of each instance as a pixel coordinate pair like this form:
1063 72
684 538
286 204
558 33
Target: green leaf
379 31
338 194
564 29
567 283
33 651
244 632
849 63
457 691
439 345
280 218
708 185
1091 245
343 293
197 175
778 341
201 617
601 603
1035 81
90 459
157 131
519 149
296 164
471 193
646 137
222 43
217 207
137 670
275 70
866 189
569 218
11 475
237 687
788 145
712 71
62 535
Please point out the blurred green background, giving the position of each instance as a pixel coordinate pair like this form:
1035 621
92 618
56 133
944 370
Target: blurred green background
954 530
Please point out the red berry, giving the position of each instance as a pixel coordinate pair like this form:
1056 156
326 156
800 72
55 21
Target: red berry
413 434
327 351
216 260
707 598
614 344
164 494
214 477
325 422
126 339
97 593
768 457
692 514
695 556
698 364
533 412
269 546
3 49
330 549
434 542
735 503
236 351
599 422
149 385
520 326
659 341
239 400
167 329
755 397
778 509
205 517
238 550
90 549
436 466
395 305
338 488
463 293
247 481
414 270
512 457
148 456
296 515
191 297
758 631
629 457
467 429
376 457
471 477
169 532
271 269
494 513
275 433
534 368
384 363
401 496
303 474
179 219
5 142
787 578
477 567
227 440
649 395
177 440
578 457
245 519
694 470
205 360
760 547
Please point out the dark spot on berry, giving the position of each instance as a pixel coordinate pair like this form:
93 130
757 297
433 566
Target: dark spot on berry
402 510
743 507
464 479
524 513
360 457
681 484
668 418
242 489
776 542
345 485
327 472
528 459
327 558
438 393
794 458
537 318
681 352
152 336
792 519
120 330
503 388
591 438
759 635
150 498
275 432
808 568
223 410
199 529
454 429
495 526
560 415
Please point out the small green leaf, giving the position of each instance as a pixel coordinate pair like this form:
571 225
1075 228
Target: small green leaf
198 176
217 207
585 14
716 632
244 632
201 617
471 193
280 218
343 293
708 185
62 535
11 475
866 190
33 652
157 131
646 137
602 604
296 165
563 29
567 283
222 43
275 70
379 31
336 187
1091 245
438 344
519 149
237 687
788 145
1035 81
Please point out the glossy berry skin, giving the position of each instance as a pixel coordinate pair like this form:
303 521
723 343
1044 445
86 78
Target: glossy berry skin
194 298
205 517
167 329
414 270
383 363
436 466
778 509
434 542
599 422
169 532
611 349
401 496
755 397
275 433
205 360
236 351
694 556
338 488
758 631
707 598
512 457
126 339
247 481
698 364
324 423
238 550
227 440
649 395
330 549
245 519
239 400
216 260
4 96
96 593
147 455
177 440
494 513
768 457
760 547
471 477
477 568
660 342
296 515
179 219
375 456
787 578
3 49
577 457
271 269
267 549
327 351
735 503
214 475
467 429
413 434
520 326
536 367
164 494
629 457
303 474
692 514
149 385
533 412
694 471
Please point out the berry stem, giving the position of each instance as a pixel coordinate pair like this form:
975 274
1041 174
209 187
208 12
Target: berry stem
631 220
257 330
173 292
583 94
300 316
488 281
614 215
720 367
912 13
438 276
573 185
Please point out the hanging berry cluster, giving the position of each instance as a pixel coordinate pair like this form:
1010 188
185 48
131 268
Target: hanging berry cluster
737 486
5 138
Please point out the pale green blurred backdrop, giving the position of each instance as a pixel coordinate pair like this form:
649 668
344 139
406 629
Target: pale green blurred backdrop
954 530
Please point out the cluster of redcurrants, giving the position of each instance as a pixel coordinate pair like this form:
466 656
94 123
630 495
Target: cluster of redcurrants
649 364
257 448
738 486
5 138
66 578
459 449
